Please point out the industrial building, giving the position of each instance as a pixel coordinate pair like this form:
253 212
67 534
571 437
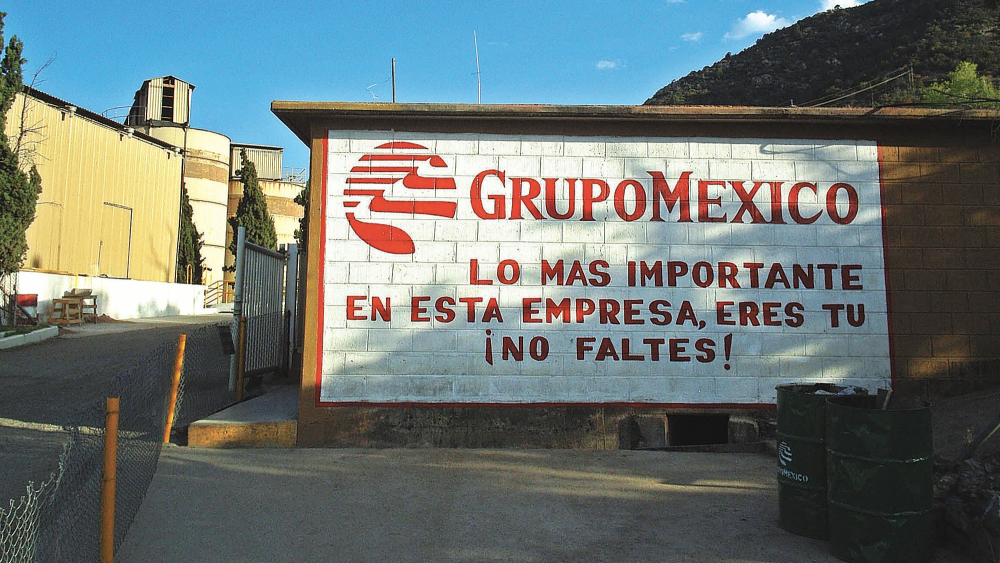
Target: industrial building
493 275
111 191
211 171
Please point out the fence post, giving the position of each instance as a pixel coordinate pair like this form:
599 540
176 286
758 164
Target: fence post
241 361
241 242
291 285
108 485
174 386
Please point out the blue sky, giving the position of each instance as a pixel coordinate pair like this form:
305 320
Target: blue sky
242 55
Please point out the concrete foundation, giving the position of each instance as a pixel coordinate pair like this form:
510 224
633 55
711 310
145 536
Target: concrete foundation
496 427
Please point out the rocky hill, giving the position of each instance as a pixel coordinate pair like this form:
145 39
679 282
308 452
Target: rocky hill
887 49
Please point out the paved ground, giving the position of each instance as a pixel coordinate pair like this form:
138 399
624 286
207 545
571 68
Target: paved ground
399 505
462 505
43 384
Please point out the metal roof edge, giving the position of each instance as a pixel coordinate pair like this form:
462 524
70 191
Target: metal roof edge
58 103
297 114
257 146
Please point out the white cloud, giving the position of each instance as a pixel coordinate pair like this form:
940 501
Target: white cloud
831 4
608 65
756 23
692 36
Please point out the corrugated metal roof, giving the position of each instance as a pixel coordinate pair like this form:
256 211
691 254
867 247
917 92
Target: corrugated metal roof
267 160
95 117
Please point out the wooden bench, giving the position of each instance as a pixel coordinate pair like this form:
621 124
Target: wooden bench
67 311
76 306
88 308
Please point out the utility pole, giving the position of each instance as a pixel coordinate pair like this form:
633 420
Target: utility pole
479 78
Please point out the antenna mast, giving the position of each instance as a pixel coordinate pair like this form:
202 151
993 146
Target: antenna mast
479 79
393 80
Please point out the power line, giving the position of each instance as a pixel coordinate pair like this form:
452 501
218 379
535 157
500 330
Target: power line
374 95
863 87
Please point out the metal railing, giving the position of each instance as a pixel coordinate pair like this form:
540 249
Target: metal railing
117 113
293 174
220 291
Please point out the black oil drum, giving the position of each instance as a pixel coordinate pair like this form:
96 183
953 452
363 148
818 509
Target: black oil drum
880 481
802 502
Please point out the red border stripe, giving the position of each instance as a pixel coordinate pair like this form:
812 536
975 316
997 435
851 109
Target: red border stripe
885 271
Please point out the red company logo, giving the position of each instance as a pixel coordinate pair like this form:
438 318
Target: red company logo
378 172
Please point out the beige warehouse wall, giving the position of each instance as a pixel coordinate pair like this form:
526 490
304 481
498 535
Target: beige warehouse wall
84 164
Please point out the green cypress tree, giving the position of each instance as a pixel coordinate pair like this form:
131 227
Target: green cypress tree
18 189
189 249
302 233
251 212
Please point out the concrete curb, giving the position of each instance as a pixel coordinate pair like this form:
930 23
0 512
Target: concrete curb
268 421
23 425
221 434
30 338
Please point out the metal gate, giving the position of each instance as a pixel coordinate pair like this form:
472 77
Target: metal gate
266 300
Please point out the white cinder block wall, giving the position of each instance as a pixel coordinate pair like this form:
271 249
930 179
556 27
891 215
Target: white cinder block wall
436 336
118 298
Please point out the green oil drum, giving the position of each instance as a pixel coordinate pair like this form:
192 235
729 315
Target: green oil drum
880 481
802 504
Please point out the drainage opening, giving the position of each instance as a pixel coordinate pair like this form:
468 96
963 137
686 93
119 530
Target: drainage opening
698 429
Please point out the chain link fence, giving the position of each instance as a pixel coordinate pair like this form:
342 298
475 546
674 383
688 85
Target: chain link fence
8 293
204 385
59 519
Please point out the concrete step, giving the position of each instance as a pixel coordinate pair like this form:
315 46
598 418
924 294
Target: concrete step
268 421
223 307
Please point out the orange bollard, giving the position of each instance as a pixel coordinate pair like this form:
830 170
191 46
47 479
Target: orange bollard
108 485
174 386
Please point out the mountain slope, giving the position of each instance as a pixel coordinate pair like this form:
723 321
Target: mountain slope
825 55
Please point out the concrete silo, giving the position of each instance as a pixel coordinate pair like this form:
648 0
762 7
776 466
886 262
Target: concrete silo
162 109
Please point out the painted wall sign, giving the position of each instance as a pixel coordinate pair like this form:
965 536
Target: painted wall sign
496 269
